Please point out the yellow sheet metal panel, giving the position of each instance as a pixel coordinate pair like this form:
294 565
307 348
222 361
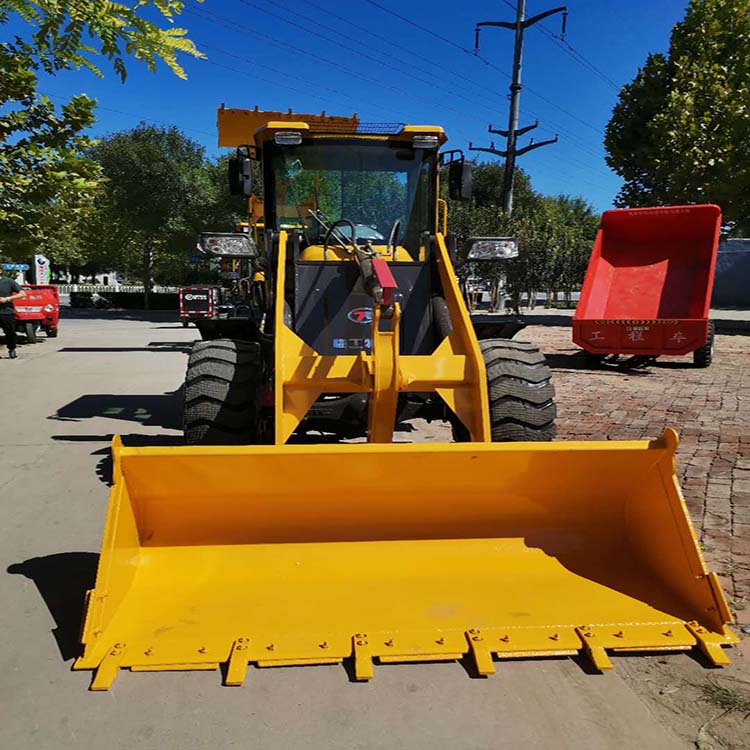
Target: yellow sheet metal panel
302 551
237 127
455 370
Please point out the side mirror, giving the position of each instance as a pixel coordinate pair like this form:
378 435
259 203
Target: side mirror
240 175
460 179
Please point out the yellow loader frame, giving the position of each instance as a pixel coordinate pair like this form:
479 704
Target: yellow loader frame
311 554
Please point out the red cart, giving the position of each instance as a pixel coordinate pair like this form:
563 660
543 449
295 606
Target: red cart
40 309
647 290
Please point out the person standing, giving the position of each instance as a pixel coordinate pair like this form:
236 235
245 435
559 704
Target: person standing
9 291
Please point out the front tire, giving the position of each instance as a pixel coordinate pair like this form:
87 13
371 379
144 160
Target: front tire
52 333
222 393
705 355
521 394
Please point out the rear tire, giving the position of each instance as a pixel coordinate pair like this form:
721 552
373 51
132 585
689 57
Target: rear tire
222 393
521 394
704 356
29 329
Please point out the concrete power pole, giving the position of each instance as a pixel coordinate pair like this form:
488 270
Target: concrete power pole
513 132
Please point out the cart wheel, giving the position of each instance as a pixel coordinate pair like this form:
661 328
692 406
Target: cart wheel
704 356
592 359
29 329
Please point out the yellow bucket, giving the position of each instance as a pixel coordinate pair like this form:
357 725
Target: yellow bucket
312 554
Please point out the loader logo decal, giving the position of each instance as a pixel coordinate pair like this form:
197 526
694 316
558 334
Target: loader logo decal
360 315
191 297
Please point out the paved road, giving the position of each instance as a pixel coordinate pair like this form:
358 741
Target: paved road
60 403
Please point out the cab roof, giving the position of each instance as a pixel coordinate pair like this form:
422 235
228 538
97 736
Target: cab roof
239 127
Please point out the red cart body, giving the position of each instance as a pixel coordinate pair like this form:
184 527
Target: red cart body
40 307
647 289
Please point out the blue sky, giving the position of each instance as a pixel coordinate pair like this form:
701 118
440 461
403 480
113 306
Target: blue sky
317 54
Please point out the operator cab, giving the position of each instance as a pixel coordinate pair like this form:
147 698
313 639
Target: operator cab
347 194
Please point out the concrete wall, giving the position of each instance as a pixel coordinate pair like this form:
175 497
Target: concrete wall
732 281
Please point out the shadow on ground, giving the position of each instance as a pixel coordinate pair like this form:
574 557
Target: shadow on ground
158 347
576 361
149 410
63 581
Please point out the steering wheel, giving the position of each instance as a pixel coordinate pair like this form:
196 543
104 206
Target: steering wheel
334 226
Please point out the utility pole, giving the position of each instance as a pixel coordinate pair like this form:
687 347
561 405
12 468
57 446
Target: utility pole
513 132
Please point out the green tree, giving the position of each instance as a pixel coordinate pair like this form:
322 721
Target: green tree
555 235
45 181
680 132
159 193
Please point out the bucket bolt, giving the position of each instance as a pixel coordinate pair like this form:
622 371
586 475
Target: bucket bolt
270 647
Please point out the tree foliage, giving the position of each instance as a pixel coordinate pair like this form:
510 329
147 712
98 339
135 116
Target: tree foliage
46 183
680 132
159 192
555 235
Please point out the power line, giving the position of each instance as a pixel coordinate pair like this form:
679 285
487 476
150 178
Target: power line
349 49
566 47
139 116
426 30
402 50
338 65
236 27
485 61
147 118
241 29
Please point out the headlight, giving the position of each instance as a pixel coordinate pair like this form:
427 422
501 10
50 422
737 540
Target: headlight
492 248
425 141
229 244
288 138
49 308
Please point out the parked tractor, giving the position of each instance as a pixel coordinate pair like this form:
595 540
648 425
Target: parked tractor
198 302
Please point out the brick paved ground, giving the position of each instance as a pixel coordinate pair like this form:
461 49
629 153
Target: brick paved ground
711 410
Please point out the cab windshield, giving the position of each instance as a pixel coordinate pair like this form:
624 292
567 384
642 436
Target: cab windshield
371 184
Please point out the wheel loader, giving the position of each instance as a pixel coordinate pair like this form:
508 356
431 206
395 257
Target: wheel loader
269 540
